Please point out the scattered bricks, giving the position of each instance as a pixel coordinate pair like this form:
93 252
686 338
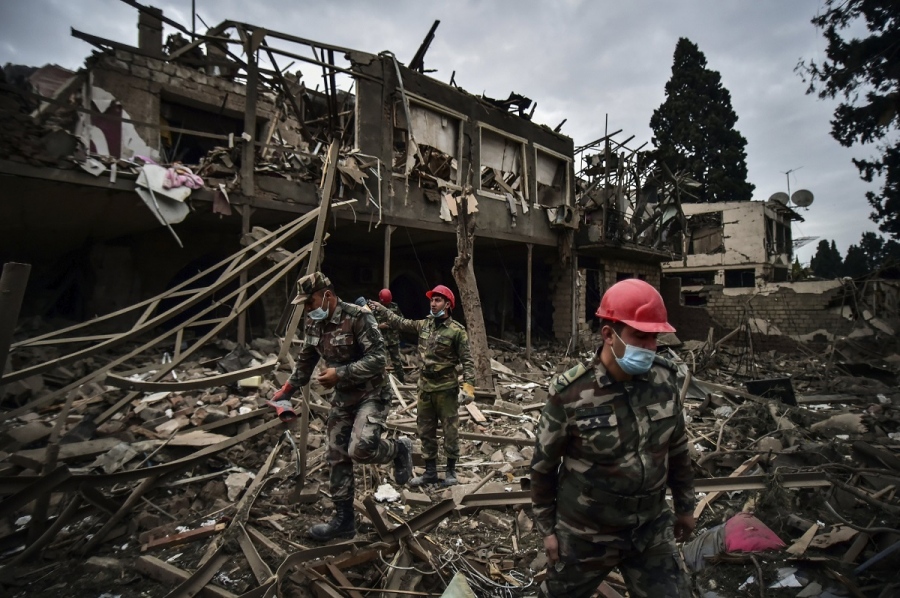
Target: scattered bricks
110 428
148 520
524 522
507 407
152 413
214 489
415 498
308 494
157 532
173 425
232 403
493 520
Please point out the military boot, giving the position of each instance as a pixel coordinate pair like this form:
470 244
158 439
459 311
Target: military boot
342 525
403 464
450 476
430 476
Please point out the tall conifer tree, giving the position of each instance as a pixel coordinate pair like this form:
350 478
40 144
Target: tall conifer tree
693 129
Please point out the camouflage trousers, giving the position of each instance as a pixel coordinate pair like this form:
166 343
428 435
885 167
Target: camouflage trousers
354 436
436 407
396 361
648 560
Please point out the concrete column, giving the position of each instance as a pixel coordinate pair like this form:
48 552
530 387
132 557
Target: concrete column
528 305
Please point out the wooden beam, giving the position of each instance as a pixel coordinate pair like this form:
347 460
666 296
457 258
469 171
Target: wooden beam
248 151
168 574
184 537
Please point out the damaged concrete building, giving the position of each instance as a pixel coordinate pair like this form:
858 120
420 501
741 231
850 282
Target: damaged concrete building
79 203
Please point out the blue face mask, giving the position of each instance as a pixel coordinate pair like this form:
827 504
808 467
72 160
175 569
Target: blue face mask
439 314
318 314
636 360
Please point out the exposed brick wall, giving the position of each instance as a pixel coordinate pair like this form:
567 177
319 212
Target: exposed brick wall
779 319
137 82
561 290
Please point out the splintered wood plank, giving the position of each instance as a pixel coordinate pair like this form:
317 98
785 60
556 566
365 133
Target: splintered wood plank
74 450
800 546
165 573
184 537
476 413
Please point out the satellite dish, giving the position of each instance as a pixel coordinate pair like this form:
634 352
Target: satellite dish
802 198
781 197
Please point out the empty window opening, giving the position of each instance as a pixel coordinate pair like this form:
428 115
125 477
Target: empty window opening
188 148
552 176
503 165
704 234
740 278
434 150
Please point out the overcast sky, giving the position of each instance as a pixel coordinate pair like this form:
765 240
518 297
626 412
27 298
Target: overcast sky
581 60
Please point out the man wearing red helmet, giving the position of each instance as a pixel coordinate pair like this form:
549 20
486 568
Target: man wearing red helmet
611 438
443 344
391 336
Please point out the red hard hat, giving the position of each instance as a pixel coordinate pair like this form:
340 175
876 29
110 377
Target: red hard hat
384 295
637 304
443 292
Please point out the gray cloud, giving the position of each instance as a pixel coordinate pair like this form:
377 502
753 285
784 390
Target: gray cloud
579 60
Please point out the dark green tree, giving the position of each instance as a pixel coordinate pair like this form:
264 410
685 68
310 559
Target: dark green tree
856 263
864 71
873 255
827 262
693 130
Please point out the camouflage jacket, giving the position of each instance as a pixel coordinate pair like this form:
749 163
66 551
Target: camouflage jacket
350 342
606 451
442 345
391 336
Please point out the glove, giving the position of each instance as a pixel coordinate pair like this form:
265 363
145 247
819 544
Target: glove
285 392
466 393
281 402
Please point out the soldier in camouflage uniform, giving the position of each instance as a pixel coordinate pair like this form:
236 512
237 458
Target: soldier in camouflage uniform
610 439
443 344
391 336
346 337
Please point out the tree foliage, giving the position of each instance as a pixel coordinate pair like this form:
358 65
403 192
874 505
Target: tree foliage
865 73
693 130
827 262
873 255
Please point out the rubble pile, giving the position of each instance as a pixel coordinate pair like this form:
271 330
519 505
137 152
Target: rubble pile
202 488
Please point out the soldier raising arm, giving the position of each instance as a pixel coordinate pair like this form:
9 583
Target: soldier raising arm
443 344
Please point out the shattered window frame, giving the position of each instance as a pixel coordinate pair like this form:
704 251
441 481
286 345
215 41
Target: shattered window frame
524 189
567 164
438 110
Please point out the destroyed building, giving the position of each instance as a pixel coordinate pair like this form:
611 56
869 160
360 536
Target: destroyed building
80 205
140 458
733 244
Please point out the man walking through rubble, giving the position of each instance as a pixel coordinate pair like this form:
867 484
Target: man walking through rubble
610 439
346 338
391 336
443 344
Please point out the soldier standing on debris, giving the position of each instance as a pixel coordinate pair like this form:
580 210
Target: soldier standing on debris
346 337
443 344
617 428
391 336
